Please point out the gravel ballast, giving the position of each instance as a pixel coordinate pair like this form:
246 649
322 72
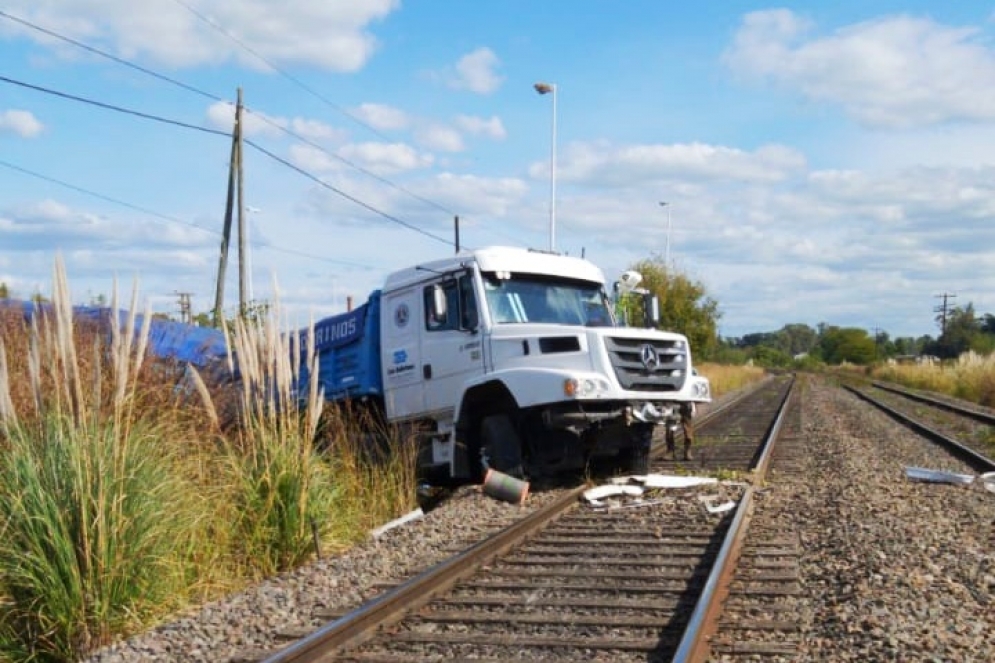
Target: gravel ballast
893 570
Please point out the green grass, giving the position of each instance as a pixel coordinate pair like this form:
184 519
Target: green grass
123 499
94 517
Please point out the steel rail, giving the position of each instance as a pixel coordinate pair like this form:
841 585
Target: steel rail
352 629
970 456
983 417
694 646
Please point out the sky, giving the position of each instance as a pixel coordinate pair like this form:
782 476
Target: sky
806 162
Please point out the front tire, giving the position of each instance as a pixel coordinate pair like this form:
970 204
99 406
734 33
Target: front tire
500 446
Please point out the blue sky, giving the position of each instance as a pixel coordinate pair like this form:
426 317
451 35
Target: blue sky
822 162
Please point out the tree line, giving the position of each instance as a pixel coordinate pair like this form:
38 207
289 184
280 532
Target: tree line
687 308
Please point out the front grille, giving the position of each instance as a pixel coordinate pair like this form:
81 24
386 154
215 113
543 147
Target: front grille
626 358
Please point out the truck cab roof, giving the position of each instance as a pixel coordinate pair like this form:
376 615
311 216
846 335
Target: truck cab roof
500 259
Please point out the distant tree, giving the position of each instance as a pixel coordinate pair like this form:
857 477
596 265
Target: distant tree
905 345
988 323
796 339
756 339
852 345
4 291
203 320
728 351
685 306
961 332
771 357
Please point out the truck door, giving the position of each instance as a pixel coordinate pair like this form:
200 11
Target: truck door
400 329
451 348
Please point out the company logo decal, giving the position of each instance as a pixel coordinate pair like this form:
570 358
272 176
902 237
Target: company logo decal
649 357
400 364
401 315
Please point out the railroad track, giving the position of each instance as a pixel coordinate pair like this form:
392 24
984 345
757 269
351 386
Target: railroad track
967 431
622 580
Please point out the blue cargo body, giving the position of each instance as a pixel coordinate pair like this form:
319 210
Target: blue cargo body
347 346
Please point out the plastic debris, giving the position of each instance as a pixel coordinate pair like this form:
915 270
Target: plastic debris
397 522
610 490
673 481
711 507
988 481
937 476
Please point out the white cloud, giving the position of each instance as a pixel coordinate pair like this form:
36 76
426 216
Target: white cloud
475 72
477 196
221 115
383 117
49 224
605 164
897 71
312 160
316 130
330 35
438 137
491 127
21 122
386 158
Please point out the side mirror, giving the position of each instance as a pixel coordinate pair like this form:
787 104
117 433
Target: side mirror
651 308
439 304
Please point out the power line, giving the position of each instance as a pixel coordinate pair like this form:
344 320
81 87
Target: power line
172 219
271 65
119 109
109 56
345 195
190 88
218 132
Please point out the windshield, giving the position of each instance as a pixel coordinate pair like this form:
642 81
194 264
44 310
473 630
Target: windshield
532 298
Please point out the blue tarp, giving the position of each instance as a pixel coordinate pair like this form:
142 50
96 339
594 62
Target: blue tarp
168 339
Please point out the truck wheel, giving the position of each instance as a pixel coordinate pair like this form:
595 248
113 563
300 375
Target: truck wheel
635 460
500 446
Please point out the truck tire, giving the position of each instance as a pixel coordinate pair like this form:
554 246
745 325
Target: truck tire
500 446
635 460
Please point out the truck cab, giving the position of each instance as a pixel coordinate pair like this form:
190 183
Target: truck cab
513 359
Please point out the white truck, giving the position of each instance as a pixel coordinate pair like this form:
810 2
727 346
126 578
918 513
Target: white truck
511 359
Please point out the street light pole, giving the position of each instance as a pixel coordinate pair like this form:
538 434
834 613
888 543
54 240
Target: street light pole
667 255
550 88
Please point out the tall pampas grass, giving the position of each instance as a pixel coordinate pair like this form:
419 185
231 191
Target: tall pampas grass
93 514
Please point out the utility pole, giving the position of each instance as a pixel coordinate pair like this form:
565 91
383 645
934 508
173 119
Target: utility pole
234 176
242 300
186 314
942 310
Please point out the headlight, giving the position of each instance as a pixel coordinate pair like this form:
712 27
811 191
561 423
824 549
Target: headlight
583 387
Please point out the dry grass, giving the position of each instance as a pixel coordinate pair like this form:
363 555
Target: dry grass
971 377
726 378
